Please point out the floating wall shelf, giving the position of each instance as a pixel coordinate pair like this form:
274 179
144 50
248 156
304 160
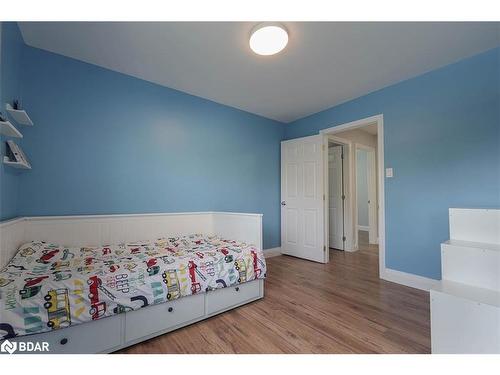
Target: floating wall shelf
19 115
9 130
15 164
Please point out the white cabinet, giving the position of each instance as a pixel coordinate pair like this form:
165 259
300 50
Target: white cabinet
465 306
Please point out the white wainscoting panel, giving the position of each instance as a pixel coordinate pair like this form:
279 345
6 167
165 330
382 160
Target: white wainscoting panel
11 237
99 230
110 229
239 226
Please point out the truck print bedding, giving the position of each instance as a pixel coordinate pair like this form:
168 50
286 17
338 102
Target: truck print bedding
47 287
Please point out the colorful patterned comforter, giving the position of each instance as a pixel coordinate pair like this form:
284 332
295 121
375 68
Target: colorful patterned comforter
47 287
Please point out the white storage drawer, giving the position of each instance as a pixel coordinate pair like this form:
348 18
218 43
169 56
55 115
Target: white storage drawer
93 337
161 317
222 299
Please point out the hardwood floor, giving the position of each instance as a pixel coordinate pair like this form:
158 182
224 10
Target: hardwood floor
340 307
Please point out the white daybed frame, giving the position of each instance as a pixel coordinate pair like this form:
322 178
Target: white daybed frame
122 330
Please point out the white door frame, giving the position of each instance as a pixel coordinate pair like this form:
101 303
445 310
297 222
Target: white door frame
349 244
372 191
379 120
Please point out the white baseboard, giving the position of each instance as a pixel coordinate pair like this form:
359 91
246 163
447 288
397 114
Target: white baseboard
353 250
364 228
408 279
269 253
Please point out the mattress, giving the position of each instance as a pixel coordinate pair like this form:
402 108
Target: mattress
47 287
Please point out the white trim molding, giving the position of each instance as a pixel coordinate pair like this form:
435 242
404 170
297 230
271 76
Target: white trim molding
273 252
348 180
379 120
408 279
353 124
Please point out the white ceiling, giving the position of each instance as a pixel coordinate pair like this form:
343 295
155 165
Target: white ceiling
324 64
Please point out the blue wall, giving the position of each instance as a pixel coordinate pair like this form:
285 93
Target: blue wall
10 88
104 142
442 137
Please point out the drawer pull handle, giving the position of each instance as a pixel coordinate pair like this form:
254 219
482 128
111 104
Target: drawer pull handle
237 288
64 341
170 309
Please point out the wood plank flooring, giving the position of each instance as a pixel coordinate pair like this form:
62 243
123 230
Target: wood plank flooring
340 307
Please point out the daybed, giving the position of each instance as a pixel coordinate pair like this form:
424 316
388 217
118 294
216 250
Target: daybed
88 294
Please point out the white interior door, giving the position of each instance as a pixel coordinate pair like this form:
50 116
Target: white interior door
302 195
335 201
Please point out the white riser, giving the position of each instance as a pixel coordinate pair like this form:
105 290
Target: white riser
477 225
463 326
477 266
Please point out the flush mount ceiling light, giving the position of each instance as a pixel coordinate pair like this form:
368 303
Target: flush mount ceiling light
268 38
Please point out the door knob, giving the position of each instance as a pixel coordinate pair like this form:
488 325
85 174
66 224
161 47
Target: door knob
283 203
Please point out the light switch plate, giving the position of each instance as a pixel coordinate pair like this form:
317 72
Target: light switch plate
388 172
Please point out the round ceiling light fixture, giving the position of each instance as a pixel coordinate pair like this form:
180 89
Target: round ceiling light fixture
268 38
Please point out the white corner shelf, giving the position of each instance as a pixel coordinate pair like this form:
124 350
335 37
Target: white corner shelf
15 164
9 130
19 115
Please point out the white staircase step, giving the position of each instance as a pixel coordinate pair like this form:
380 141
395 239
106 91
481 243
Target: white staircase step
468 292
474 245
473 224
464 319
465 305
473 263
